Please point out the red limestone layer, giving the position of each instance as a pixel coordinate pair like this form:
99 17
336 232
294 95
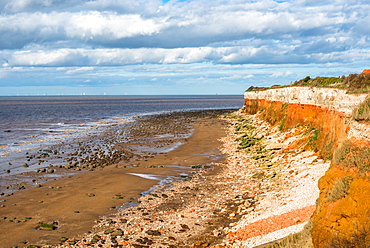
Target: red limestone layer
328 126
342 211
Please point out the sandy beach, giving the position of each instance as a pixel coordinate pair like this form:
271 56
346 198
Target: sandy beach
237 182
74 204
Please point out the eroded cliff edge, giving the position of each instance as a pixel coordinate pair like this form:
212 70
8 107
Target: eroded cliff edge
342 213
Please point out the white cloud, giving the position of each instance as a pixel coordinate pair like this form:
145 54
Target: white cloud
109 26
237 76
77 37
231 55
80 70
195 23
281 74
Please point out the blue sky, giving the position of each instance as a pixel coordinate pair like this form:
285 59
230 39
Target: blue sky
119 47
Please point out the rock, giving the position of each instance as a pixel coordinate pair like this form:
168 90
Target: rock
217 233
108 231
184 226
201 244
274 146
117 233
63 239
123 220
274 160
153 232
46 227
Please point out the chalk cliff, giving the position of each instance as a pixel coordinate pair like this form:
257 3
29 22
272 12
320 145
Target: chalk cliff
342 215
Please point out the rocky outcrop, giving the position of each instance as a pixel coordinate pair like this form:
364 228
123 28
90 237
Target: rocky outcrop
329 98
342 215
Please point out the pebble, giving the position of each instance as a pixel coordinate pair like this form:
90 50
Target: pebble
233 194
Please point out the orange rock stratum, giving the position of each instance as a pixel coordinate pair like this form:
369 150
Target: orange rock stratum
342 214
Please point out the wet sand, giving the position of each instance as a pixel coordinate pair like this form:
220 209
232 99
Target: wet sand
74 204
244 201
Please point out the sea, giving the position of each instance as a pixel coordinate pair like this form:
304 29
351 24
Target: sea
32 125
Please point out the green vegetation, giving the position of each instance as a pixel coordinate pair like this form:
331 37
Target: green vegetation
282 124
320 82
360 239
250 140
354 83
340 189
45 226
362 111
349 154
315 135
358 83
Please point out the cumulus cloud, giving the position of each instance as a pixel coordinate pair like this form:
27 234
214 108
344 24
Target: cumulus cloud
173 25
218 55
114 32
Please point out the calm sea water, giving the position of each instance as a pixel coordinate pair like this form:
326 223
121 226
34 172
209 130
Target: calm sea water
28 124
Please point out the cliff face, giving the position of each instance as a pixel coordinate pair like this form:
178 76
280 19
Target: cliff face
343 208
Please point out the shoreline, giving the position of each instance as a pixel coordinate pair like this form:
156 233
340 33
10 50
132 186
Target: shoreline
245 201
262 191
73 204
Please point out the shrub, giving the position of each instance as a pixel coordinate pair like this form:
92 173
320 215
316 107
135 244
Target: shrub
358 83
362 111
360 239
354 83
340 189
348 154
315 135
320 82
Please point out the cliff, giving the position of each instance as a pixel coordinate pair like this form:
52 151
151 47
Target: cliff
342 213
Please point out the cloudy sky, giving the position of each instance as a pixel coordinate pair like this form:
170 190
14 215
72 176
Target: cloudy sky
119 47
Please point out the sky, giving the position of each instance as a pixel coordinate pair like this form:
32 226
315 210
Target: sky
153 47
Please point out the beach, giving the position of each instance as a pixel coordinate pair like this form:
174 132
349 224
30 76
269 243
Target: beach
74 203
236 182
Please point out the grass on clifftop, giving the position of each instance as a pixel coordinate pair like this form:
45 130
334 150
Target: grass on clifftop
353 83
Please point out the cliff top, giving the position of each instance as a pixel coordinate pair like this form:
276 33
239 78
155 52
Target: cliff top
353 83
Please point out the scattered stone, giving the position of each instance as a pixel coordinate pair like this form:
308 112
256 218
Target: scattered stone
108 231
153 232
63 239
46 227
117 233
